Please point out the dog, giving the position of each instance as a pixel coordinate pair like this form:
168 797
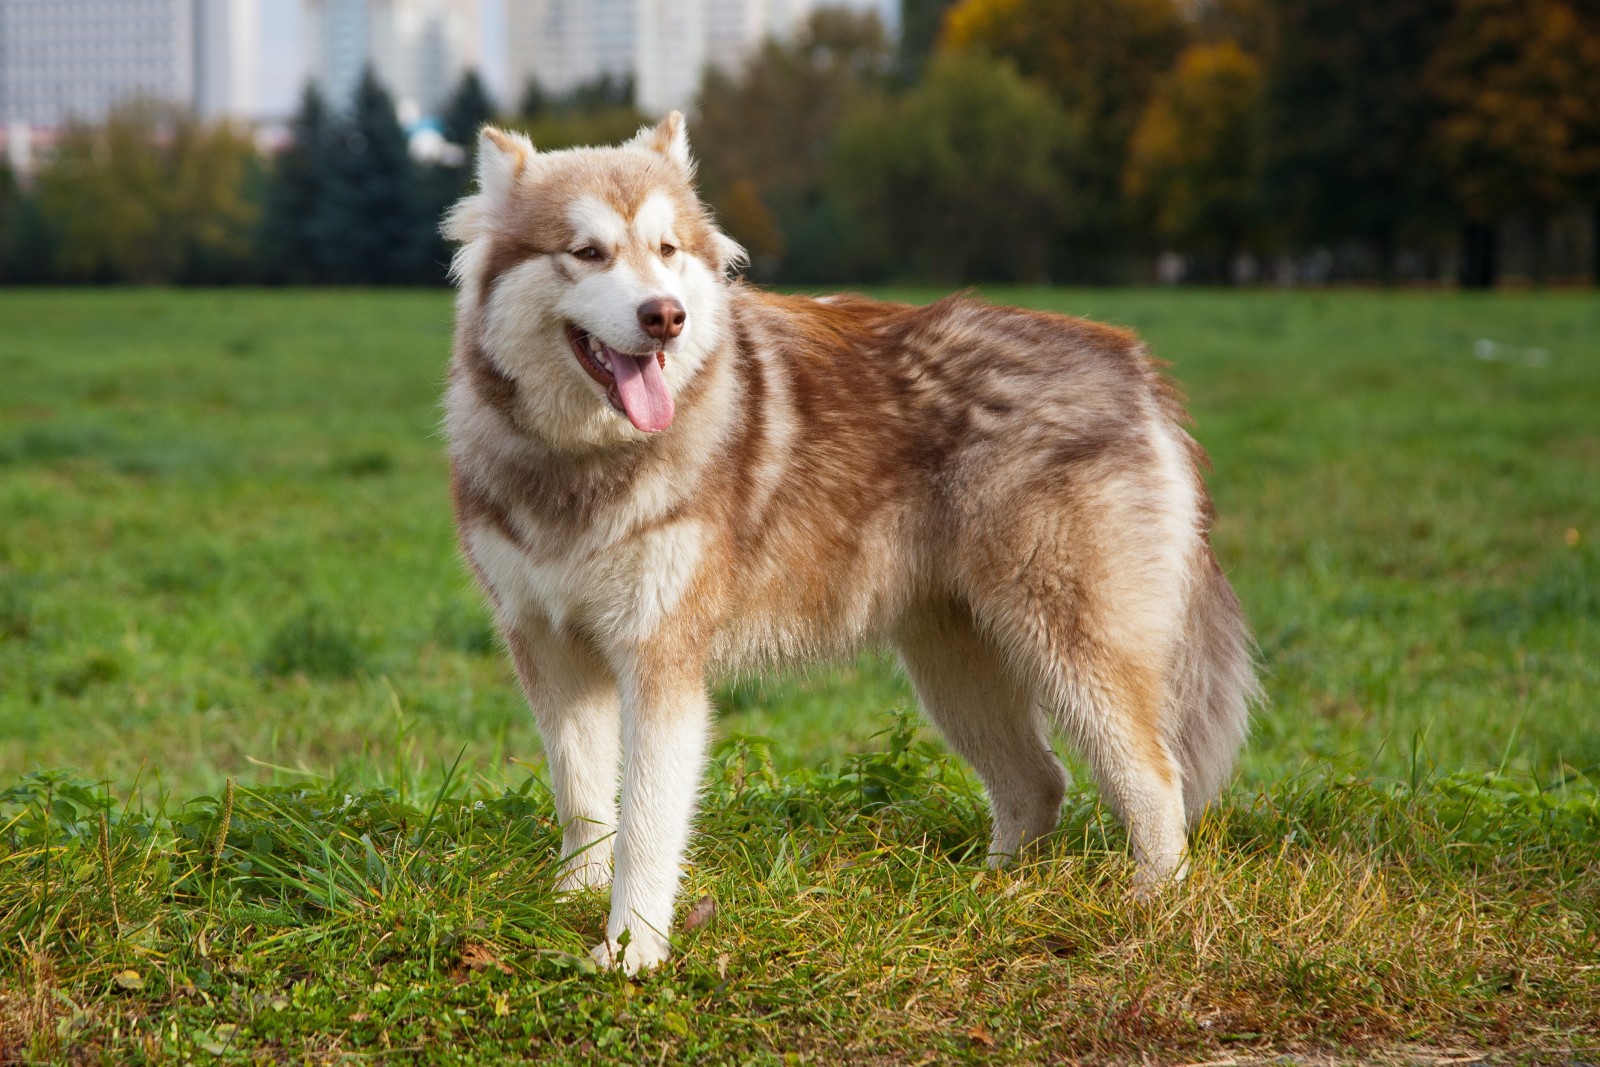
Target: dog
660 472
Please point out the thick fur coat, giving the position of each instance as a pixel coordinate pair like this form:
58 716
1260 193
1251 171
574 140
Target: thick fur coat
661 473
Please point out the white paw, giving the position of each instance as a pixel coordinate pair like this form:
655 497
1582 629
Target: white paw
639 954
582 877
1154 877
999 861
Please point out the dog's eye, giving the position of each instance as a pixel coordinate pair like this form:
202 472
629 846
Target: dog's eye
589 252
667 250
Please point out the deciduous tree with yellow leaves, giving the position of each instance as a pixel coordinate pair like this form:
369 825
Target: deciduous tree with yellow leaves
1194 164
1100 58
1518 83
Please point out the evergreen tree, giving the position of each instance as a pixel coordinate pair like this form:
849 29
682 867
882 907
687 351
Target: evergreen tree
438 185
10 209
602 93
28 246
291 245
535 103
368 220
468 109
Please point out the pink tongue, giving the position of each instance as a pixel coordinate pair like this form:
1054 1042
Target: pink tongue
643 390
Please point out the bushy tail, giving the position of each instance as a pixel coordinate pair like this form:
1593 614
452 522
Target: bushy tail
1213 687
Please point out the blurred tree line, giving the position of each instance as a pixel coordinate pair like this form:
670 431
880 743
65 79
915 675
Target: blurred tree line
1025 140
151 195
1076 140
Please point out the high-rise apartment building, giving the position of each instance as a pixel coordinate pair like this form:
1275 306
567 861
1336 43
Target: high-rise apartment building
735 28
665 44
64 59
419 49
226 58
669 53
560 44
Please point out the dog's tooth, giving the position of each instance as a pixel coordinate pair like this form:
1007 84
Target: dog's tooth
594 344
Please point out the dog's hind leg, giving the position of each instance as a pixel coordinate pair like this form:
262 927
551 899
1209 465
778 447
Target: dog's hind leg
991 721
1108 697
574 702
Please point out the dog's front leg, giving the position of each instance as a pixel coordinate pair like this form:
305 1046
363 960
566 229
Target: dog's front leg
574 702
664 720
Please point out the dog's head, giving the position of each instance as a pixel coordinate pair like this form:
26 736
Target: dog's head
593 277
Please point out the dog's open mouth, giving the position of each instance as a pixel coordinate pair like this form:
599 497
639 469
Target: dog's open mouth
634 383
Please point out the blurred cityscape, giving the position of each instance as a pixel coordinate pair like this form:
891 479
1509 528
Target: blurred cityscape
246 60
1213 141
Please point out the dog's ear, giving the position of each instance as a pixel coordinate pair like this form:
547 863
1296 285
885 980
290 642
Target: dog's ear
502 157
670 138
731 256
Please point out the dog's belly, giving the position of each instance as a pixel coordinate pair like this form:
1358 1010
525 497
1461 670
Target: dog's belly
800 607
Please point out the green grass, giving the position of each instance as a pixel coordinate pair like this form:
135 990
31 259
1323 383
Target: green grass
226 553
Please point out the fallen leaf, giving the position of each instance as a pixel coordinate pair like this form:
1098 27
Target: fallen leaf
582 964
700 914
129 980
479 957
221 1039
980 1036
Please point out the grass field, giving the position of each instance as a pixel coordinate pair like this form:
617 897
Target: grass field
226 554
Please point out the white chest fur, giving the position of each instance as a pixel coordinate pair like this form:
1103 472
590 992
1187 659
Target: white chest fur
620 589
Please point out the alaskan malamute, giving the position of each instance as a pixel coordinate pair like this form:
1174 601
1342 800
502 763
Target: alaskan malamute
660 472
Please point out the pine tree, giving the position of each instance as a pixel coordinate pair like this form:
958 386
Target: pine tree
291 249
535 102
368 221
468 109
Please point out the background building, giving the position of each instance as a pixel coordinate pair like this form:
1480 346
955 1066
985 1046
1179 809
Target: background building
419 49
61 59
664 44
227 58
669 54
561 44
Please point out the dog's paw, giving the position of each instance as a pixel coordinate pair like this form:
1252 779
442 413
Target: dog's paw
1152 880
583 877
638 955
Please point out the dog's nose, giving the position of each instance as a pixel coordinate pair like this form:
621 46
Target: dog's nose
662 319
